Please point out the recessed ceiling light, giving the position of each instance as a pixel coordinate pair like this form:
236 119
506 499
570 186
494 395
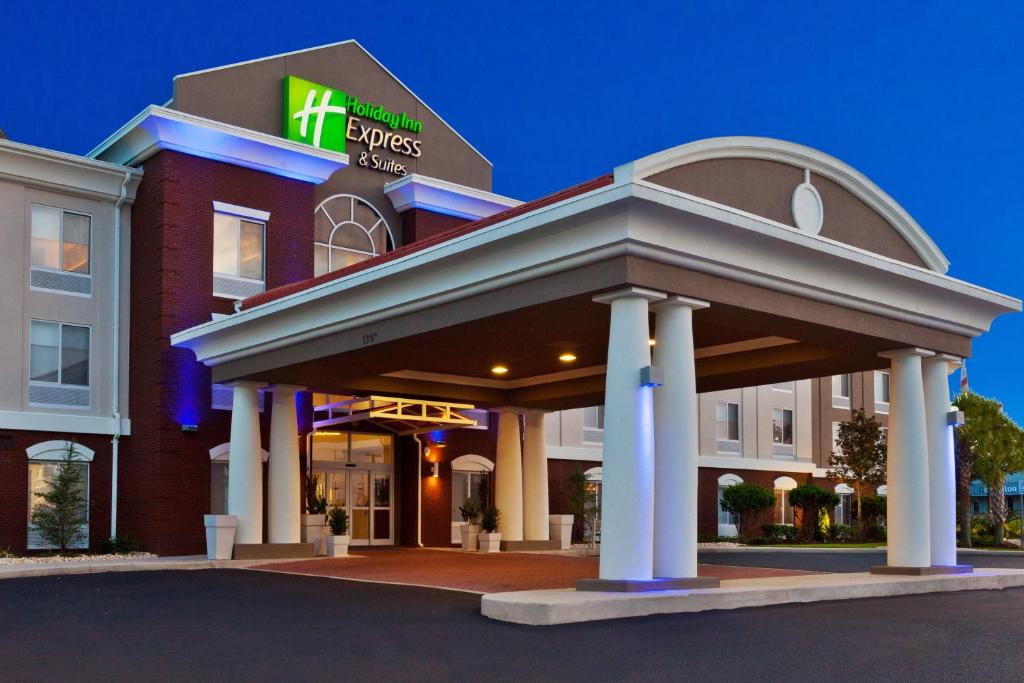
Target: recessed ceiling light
499 369
567 357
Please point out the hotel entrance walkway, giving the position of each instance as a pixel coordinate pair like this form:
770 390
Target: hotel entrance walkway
480 572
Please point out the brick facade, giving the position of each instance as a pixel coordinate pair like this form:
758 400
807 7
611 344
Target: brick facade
165 481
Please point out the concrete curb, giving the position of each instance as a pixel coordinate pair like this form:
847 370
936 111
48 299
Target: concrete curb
564 606
20 571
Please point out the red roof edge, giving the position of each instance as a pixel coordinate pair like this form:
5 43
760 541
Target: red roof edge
419 245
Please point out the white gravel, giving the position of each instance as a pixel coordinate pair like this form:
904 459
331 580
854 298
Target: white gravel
56 559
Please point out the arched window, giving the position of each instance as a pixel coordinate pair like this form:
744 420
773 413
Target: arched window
43 460
219 477
844 511
726 520
347 230
471 479
783 510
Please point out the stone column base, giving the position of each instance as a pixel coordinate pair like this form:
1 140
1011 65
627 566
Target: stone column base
924 571
636 586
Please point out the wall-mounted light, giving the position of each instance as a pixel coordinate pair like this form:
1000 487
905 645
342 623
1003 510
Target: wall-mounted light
190 428
435 470
651 342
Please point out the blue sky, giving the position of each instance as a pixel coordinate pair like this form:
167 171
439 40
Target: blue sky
927 99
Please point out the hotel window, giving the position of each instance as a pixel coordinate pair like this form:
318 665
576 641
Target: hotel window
782 426
727 426
593 425
60 250
347 230
841 391
42 469
783 510
238 252
881 391
843 513
58 365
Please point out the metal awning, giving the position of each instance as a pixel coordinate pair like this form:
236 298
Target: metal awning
398 415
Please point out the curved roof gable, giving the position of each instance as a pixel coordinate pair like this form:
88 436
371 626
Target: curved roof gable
815 166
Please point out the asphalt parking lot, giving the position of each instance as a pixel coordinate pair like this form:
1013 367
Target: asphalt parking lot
235 625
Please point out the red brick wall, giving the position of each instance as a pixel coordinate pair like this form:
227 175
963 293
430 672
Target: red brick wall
165 483
419 223
14 487
437 493
707 491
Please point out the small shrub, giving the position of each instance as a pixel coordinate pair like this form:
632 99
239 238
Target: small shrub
750 503
982 531
120 545
6 554
469 511
840 533
489 519
337 520
779 533
876 532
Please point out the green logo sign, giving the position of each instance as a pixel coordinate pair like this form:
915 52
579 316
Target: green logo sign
314 114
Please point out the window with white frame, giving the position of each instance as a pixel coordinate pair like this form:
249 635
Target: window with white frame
841 391
60 250
727 426
843 513
881 391
58 364
727 521
238 251
783 510
44 461
782 426
347 229
593 424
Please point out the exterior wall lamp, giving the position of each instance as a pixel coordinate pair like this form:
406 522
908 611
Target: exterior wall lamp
435 469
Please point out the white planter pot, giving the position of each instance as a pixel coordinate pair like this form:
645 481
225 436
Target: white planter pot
489 543
220 535
469 532
337 546
560 528
313 531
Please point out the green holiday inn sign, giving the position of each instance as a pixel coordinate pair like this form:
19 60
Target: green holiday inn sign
325 117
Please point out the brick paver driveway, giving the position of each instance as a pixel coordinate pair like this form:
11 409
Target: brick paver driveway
479 572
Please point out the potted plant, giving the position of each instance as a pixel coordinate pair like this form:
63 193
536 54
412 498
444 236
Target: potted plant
315 518
490 539
337 540
470 530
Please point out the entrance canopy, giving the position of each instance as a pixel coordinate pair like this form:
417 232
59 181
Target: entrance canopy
809 268
398 415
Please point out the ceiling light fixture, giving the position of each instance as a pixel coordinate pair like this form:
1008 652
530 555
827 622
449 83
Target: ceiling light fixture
499 369
567 357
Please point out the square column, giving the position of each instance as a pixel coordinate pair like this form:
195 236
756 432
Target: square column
535 479
941 458
245 463
508 476
907 477
676 444
284 488
627 506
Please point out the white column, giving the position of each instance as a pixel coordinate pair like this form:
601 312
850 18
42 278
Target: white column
245 464
535 479
284 490
627 506
675 440
508 476
941 466
909 536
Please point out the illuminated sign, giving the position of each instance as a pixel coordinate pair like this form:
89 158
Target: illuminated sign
327 118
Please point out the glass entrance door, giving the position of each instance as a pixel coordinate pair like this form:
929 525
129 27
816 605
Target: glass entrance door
356 472
359 506
381 525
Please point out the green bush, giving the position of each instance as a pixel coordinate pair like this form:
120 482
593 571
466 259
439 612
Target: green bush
810 499
489 519
120 545
779 533
876 532
337 520
749 502
840 533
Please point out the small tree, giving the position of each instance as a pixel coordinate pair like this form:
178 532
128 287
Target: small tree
749 503
860 459
316 504
490 519
996 447
811 499
60 518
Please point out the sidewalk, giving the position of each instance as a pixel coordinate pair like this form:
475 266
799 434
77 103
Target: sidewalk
87 566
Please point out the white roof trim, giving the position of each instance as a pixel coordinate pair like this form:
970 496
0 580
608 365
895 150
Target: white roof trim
54 450
802 157
158 128
368 54
472 463
417 191
220 453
